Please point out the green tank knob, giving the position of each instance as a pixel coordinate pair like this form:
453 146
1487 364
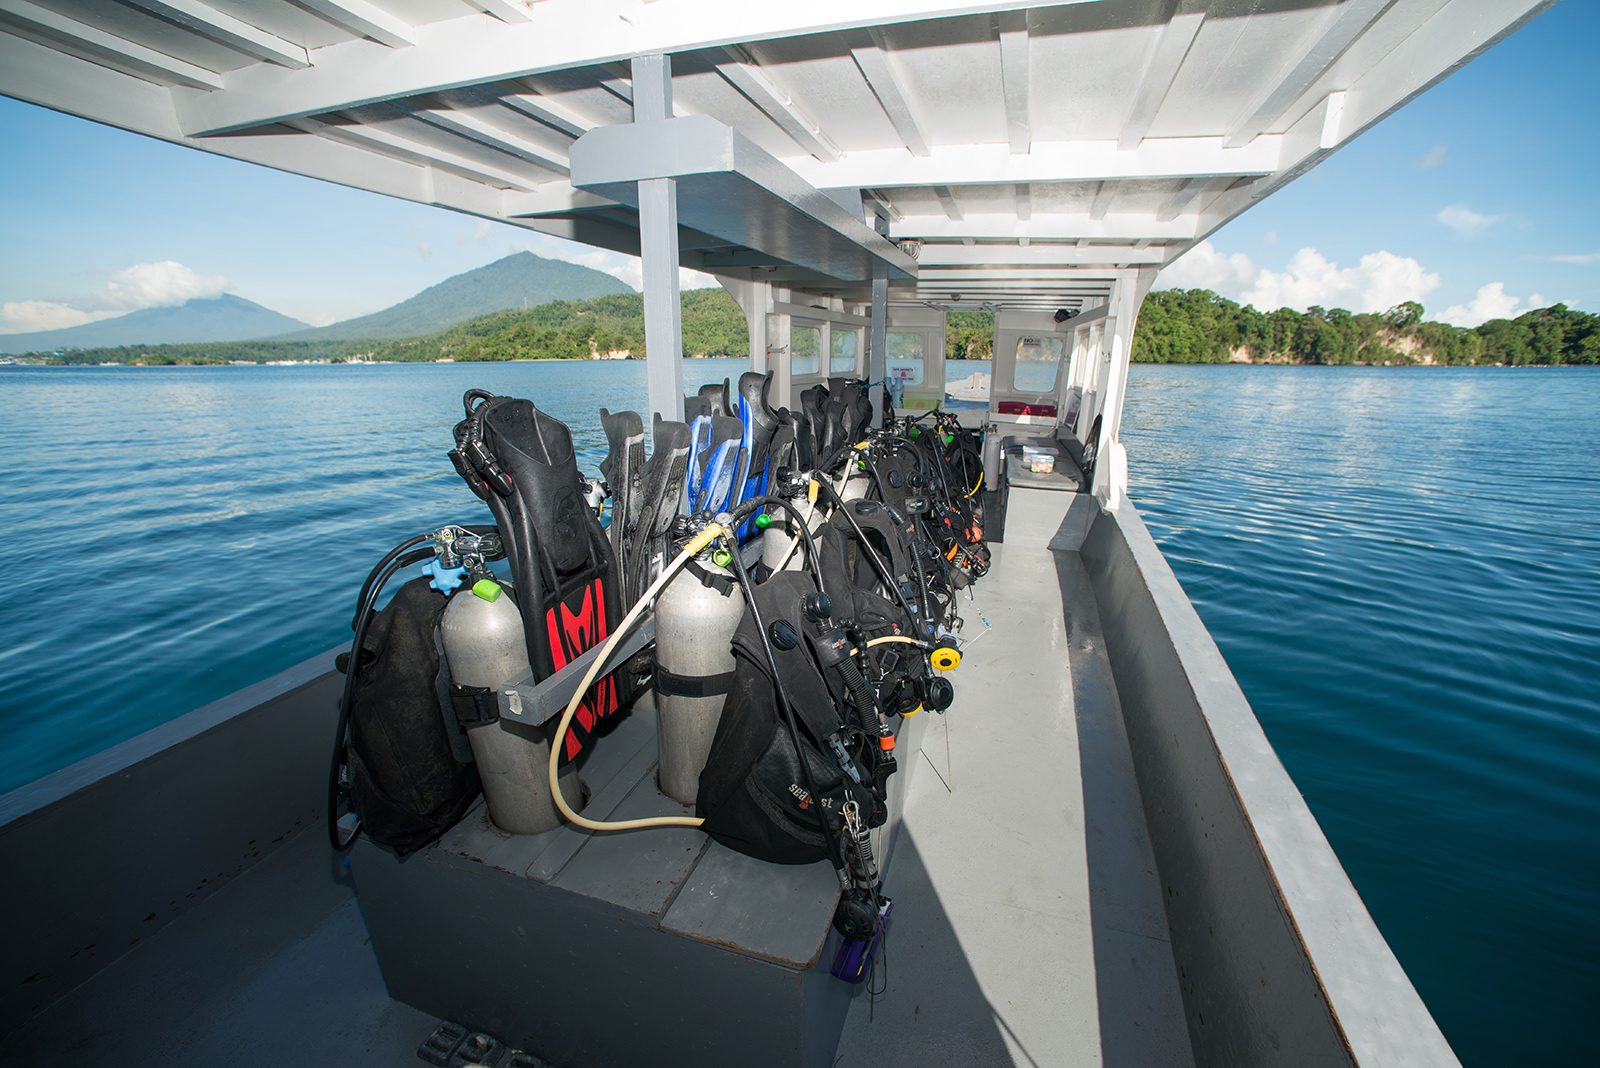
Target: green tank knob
763 521
722 557
488 589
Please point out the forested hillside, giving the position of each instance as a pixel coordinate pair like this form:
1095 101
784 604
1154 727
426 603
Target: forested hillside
1175 326
713 325
1199 326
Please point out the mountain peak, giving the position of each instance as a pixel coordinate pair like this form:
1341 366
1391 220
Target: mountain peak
519 280
228 317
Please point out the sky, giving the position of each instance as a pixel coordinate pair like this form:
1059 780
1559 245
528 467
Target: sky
1479 199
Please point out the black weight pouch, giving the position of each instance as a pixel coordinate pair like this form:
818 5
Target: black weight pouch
405 782
753 794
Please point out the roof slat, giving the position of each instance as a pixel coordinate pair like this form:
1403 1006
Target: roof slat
223 28
116 52
364 19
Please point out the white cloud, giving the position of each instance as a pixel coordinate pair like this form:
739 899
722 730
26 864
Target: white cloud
1579 258
30 315
1464 221
1203 267
480 232
160 284
1436 156
1378 282
424 250
1490 302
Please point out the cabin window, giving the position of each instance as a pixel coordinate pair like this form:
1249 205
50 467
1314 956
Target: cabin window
842 351
906 356
1038 359
805 350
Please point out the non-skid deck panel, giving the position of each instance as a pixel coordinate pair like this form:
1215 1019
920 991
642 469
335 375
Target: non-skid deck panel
1029 925
273 969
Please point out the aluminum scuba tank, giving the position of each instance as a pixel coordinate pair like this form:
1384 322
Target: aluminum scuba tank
486 648
696 616
775 541
991 457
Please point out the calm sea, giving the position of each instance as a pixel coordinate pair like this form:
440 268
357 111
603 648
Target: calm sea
1401 566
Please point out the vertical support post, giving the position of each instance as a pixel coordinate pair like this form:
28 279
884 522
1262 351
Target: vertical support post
878 348
878 339
754 299
658 249
1111 469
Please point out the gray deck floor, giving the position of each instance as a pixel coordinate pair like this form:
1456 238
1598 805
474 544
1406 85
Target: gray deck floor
1028 920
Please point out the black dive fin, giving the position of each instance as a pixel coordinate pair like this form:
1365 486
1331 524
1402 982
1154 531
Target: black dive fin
812 402
623 470
661 497
717 394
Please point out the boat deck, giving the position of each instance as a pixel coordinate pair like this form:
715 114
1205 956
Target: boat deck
1029 925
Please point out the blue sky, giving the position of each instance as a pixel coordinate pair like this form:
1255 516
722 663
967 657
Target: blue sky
1476 198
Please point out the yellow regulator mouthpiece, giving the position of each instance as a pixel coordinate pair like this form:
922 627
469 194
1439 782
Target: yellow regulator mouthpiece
945 658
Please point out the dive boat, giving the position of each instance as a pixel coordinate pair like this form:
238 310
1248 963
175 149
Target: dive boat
1093 853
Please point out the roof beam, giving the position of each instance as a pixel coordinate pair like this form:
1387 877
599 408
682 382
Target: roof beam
1103 195
1177 202
1015 255
117 52
1056 161
473 124
364 19
544 110
553 198
382 137
469 51
504 10
223 28
947 200
1014 79
1022 194
1345 23
1170 51
875 66
741 71
1042 227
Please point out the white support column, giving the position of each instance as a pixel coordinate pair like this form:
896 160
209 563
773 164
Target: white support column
658 249
1111 467
878 348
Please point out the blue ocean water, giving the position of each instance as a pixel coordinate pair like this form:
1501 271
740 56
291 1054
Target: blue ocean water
1401 566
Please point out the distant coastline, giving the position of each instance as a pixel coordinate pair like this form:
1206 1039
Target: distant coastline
1177 326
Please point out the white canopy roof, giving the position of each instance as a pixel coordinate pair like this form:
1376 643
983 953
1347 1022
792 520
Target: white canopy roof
1020 152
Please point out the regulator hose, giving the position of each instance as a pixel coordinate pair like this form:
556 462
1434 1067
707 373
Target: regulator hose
690 551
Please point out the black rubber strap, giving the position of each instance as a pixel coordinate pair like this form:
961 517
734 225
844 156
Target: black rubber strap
723 584
474 706
670 685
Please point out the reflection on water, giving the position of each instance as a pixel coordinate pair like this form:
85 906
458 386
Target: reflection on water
178 533
1410 606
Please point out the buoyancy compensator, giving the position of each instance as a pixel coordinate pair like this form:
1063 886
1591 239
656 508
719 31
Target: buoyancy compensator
405 783
521 462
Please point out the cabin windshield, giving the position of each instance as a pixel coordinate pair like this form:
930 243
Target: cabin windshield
1038 359
907 357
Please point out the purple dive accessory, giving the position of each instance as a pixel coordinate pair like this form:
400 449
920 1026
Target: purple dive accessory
853 962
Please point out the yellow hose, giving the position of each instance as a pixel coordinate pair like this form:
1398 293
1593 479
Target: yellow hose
690 551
